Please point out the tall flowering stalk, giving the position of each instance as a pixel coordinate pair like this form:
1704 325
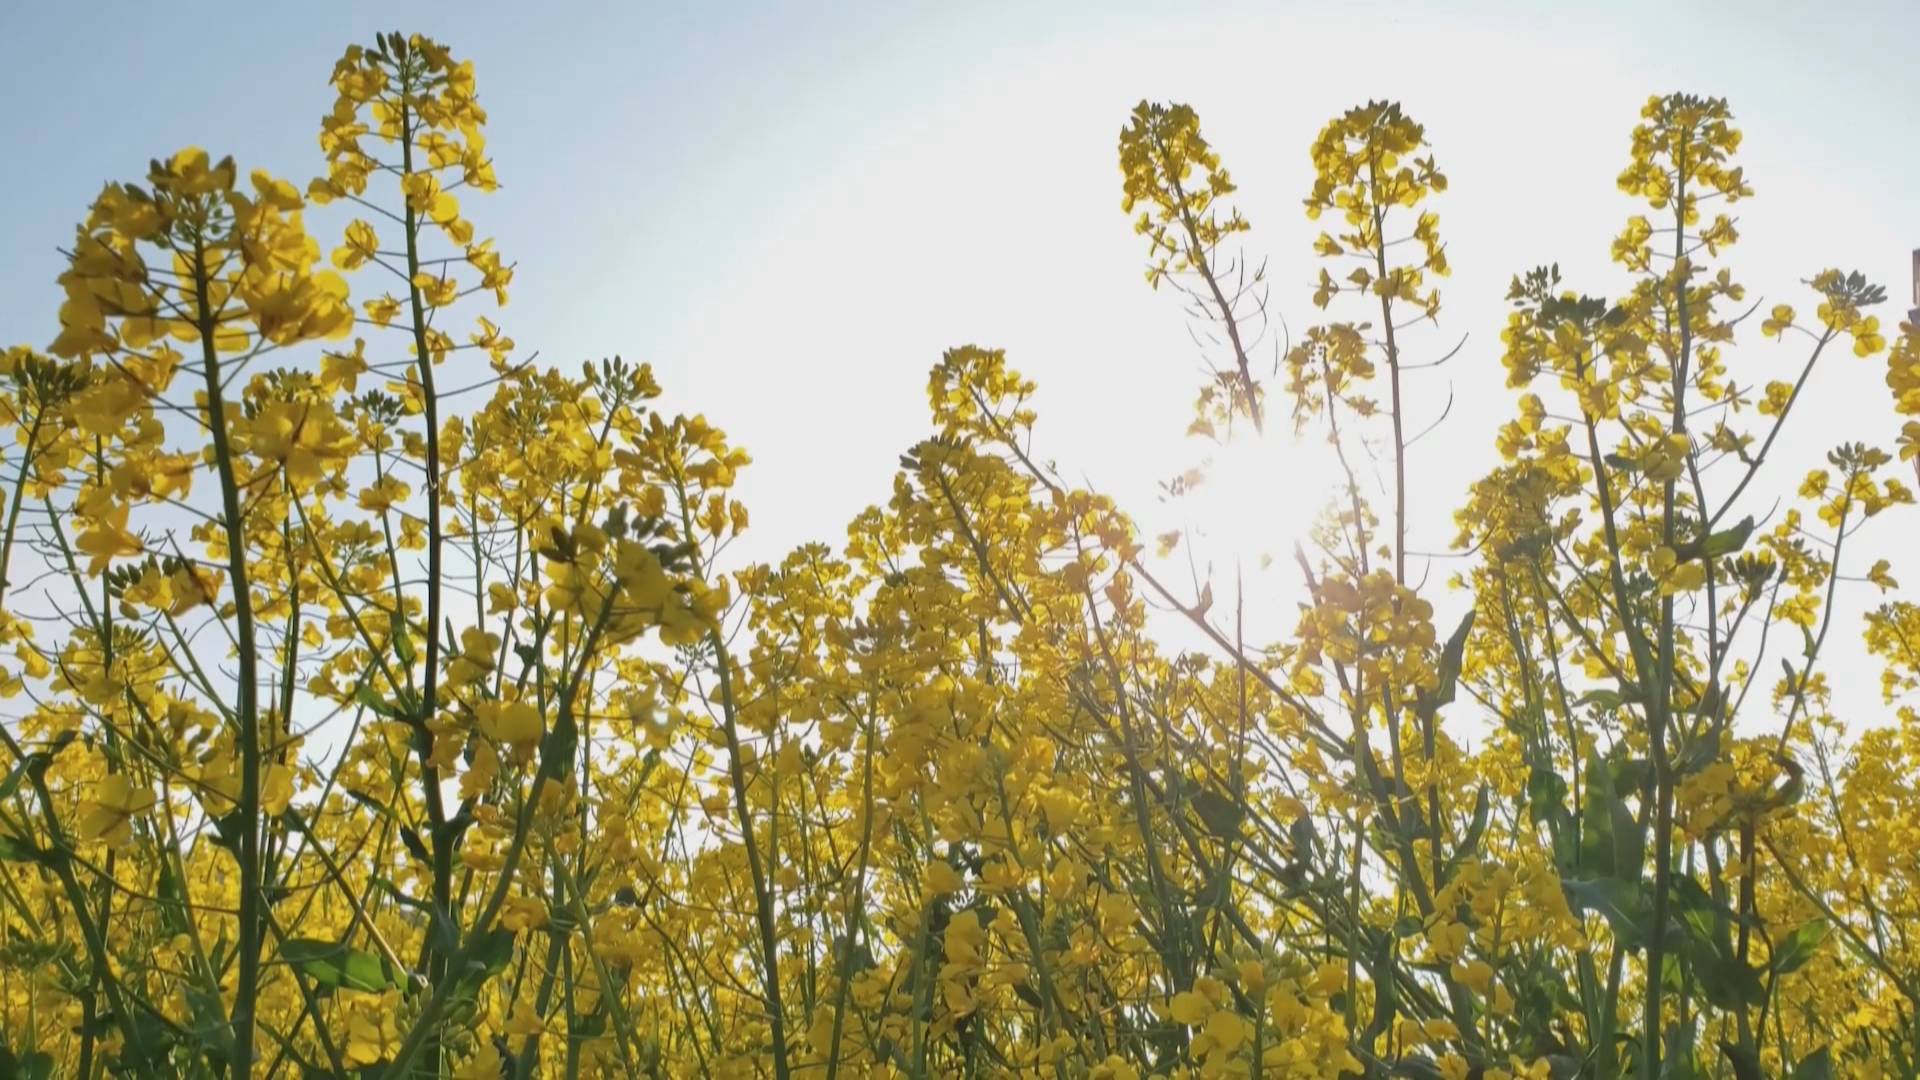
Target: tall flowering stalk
381 704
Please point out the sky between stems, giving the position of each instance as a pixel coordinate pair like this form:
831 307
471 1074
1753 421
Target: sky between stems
791 212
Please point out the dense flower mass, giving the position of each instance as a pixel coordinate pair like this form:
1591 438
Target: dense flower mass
378 704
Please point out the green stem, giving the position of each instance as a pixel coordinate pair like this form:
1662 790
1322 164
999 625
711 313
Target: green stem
247 714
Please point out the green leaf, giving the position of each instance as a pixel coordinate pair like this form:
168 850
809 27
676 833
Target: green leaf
1700 752
1728 983
34 764
414 845
1596 821
1417 1067
1630 775
1815 1066
37 1065
1629 842
485 958
443 936
387 886
371 803
1221 815
375 703
332 966
494 951
1716 545
1612 843
1625 907
18 774
1680 1062
14 849
205 1007
1482 810
1450 660
1546 795
1526 547
1746 1064
594 1024
1710 703
1547 802
557 748
1301 834
1451 656
403 644
1605 699
1724 979
1800 946
228 829
1706 918
1793 788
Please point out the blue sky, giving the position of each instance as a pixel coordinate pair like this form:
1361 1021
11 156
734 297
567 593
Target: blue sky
790 210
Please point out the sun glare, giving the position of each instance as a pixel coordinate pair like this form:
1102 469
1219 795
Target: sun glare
1252 500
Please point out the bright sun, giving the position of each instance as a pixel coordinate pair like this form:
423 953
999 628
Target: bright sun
1259 496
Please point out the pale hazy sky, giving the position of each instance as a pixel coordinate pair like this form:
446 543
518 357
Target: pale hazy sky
791 212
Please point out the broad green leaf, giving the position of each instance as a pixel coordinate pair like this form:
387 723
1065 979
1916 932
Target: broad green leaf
1716 545
1630 775
1546 795
485 958
1302 835
375 703
1605 699
18 774
1221 815
443 936
1815 1066
1800 946
1746 1064
1451 657
1482 810
1447 679
368 801
1728 541
37 1065
386 885
229 828
1629 841
1728 983
1707 920
1624 906
333 966
34 764
414 845
557 748
14 849
1612 843
403 644
1794 787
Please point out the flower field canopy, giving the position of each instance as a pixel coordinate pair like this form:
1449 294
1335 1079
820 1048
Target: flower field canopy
383 705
